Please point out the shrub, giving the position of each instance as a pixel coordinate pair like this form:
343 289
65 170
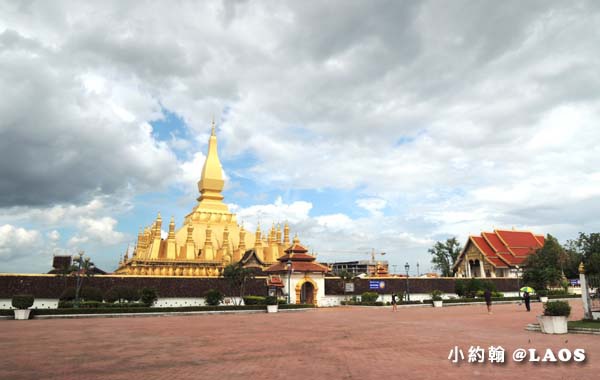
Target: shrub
213 297
254 300
472 287
378 303
90 294
369 297
90 304
436 295
282 301
67 295
121 294
271 300
22 301
557 308
542 293
497 295
557 292
148 296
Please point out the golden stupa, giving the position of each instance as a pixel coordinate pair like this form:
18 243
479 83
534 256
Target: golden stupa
209 239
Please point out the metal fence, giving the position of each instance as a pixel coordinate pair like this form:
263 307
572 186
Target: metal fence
593 283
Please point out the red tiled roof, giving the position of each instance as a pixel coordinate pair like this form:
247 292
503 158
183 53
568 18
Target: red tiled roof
296 248
296 257
494 242
504 248
487 251
275 281
541 239
298 266
518 239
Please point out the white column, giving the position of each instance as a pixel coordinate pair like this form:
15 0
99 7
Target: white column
585 294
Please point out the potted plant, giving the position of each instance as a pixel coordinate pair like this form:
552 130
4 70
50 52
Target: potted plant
22 303
272 304
436 297
543 295
554 320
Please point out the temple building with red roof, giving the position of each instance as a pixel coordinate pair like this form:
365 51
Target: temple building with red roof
497 254
302 276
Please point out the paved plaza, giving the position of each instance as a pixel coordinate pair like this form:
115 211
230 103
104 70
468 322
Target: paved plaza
334 343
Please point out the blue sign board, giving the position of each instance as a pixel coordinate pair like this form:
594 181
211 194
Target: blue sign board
574 282
376 284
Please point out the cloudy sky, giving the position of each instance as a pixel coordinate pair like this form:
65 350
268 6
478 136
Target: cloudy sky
381 125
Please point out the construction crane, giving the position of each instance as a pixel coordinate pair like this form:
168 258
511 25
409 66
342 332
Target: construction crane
373 253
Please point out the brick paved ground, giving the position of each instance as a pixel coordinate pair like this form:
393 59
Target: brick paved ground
337 343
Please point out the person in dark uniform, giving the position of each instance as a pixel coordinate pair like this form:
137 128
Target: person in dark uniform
394 301
527 299
488 300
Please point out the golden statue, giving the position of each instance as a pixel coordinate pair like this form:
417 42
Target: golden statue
209 238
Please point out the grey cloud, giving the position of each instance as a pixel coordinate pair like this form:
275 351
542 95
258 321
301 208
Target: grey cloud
56 144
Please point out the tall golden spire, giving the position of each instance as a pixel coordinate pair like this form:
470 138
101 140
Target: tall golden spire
211 183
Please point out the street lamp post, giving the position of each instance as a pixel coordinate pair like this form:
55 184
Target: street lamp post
288 264
407 267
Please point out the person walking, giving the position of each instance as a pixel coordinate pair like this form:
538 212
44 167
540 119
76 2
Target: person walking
527 300
488 300
394 302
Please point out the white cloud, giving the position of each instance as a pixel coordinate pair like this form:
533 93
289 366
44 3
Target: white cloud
373 205
17 241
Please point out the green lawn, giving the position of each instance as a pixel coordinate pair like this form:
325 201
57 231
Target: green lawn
585 323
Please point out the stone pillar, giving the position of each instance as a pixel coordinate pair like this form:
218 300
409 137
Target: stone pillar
585 293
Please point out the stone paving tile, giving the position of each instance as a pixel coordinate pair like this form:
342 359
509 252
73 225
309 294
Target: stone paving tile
336 343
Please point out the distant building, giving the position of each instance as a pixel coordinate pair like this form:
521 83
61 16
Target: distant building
497 254
368 267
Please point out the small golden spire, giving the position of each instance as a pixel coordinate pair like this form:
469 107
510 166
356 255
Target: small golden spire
172 229
212 131
581 267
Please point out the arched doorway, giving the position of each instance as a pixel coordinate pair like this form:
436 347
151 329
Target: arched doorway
307 295
306 291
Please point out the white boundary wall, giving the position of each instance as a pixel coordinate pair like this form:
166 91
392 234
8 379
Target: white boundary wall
39 303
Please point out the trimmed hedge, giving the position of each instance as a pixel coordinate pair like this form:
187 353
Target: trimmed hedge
296 306
557 308
110 310
254 300
116 310
22 301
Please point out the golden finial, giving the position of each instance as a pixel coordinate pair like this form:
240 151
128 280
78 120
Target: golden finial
581 267
212 132
158 216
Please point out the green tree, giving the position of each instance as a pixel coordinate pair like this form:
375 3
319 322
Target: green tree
213 297
148 296
585 248
543 268
445 255
237 277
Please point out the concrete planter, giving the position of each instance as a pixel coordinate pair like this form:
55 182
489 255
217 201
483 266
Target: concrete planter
596 315
272 308
543 299
553 324
437 303
22 314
